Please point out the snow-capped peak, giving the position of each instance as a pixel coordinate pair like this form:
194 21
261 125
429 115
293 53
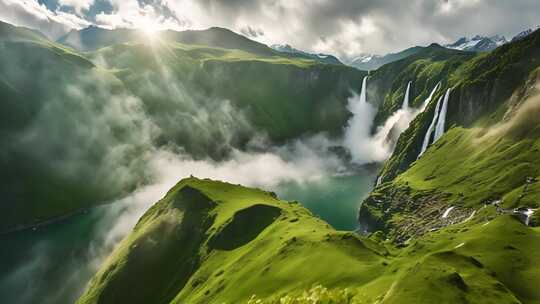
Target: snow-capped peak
478 43
324 58
525 33
364 58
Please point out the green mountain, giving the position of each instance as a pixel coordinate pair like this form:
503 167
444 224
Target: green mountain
485 162
456 225
76 126
213 242
93 38
425 68
373 62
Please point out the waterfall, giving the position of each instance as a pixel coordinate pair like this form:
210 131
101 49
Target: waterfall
439 130
431 127
428 100
447 212
363 92
379 180
405 105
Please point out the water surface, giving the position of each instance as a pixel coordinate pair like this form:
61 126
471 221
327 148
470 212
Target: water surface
52 264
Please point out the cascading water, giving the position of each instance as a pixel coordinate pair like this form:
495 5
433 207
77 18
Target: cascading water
428 100
405 105
431 127
439 130
363 92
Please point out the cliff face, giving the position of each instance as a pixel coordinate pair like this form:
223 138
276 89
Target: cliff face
481 91
475 163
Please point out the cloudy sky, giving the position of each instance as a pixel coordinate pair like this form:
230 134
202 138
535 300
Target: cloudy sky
343 27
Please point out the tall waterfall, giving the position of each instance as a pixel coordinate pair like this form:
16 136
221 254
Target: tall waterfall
439 130
405 105
431 127
363 92
428 100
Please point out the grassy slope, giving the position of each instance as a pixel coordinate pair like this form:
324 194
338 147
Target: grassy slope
482 87
480 170
481 97
489 153
173 80
293 244
472 164
33 72
281 96
425 68
295 251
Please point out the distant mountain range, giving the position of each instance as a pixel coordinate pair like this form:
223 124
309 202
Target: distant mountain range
524 33
323 58
93 38
368 62
477 43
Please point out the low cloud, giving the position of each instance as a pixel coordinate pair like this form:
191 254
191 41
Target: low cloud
252 32
522 118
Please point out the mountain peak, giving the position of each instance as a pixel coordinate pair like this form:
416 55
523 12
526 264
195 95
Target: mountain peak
320 57
525 33
477 43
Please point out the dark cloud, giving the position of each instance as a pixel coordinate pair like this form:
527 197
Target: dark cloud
252 32
343 27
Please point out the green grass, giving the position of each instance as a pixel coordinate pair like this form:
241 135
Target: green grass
283 97
479 170
294 244
296 256
204 99
482 90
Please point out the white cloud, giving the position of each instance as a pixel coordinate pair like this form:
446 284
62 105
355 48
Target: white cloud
78 5
130 14
29 13
342 27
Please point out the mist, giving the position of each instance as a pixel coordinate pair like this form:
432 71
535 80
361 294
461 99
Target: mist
520 117
116 151
366 147
94 138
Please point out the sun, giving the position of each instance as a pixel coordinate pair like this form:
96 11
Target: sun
149 31
149 28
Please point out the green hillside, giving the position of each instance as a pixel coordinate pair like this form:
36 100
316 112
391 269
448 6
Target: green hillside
213 242
482 91
488 155
93 38
424 68
283 97
76 127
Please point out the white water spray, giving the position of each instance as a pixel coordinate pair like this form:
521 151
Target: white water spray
405 105
379 180
363 92
428 100
447 212
366 147
439 130
431 127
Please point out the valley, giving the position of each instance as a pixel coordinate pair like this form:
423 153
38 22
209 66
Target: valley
203 166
